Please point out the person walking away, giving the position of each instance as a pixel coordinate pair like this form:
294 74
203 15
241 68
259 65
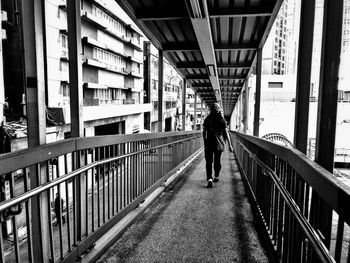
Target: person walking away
59 209
214 134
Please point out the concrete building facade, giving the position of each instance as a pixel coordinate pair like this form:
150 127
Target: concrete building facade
112 71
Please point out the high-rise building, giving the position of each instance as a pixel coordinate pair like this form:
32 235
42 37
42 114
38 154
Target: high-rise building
112 69
275 49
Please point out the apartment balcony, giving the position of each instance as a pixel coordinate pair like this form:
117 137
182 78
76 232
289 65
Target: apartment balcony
91 113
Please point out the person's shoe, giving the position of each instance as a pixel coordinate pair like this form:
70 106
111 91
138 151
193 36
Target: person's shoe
210 183
216 179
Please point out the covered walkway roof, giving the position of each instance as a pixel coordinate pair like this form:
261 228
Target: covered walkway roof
213 43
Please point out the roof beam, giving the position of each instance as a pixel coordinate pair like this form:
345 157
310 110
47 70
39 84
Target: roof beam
234 66
240 12
193 46
245 46
205 76
185 46
197 77
184 65
201 65
151 14
198 11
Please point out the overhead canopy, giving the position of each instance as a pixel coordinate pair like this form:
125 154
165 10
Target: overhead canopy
213 43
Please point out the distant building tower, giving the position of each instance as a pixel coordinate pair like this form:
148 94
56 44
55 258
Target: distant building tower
275 50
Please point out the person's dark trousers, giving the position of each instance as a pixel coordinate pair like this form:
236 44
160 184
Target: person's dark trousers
210 156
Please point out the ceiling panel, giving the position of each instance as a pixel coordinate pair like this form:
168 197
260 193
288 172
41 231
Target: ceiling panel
236 29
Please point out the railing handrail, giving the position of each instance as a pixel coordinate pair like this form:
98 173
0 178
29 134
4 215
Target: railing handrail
323 182
24 158
311 234
27 195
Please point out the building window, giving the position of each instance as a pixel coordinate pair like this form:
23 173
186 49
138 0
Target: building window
275 85
116 62
112 24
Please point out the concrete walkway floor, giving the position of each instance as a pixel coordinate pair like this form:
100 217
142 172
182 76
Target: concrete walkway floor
190 223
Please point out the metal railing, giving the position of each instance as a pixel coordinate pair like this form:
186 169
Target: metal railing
304 208
62 197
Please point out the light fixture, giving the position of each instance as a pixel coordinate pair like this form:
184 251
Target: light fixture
195 9
211 70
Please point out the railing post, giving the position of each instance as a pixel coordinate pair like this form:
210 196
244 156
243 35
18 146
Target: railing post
33 25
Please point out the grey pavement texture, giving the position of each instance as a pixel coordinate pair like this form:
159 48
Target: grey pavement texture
191 223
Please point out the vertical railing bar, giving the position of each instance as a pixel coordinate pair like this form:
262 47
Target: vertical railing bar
67 204
74 187
104 187
339 239
59 220
128 175
132 172
294 223
52 242
348 258
28 225
93 175
109 184
2 256
86 194
118 168
281 211
14 221
123 183
113 168
98 188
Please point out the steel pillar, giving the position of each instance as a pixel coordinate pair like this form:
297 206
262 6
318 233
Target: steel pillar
75 68
257 93
2 87
184 104
160 91
201 114
246 108
76 109
147 85
33 28
306 34
195 111
321 214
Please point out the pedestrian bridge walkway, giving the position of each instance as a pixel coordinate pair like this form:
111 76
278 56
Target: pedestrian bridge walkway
191 223
106 182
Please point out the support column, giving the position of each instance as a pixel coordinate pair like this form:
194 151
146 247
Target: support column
2 87
201 114
75 68
195 111
306 34
147 82
257 93
33 26
160 91
321 214
184 104
76 109
246 109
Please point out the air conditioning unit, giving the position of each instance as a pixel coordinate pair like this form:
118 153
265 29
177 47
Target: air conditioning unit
3 15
